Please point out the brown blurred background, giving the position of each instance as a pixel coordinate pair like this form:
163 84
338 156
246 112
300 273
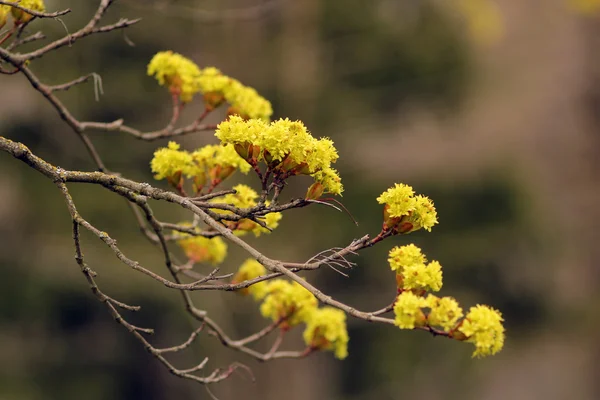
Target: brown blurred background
502 134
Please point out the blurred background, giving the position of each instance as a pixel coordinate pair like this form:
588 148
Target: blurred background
492 108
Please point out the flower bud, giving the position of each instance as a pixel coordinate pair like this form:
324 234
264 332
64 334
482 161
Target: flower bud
199 182
243 149
176 180
220 173
315 191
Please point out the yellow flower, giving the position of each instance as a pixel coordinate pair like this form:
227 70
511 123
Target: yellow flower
201 249
176 72
406 212
236 130
404 256
326 330
21 16
412 272
407 311
422 277
212 80
284 137
251 269
289 301
287 148
399 199
219 162
483 327
212 156
330 181
244 101
445 312
423 216
169 162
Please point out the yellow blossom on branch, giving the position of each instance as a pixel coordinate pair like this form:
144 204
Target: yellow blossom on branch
249 270
21 16
201 249
408 311
287 301
244 100
483 327
177 73
286 147
422 277
329 181
398 199
218 162
326 330
405 212
402 256
412 270
444 312
169 162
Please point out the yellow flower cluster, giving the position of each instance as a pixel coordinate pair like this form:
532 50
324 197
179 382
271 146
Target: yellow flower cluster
215 161
218 162
289 301
177 73
287 148
444 312
292 304
326 330
170 162
406 212
482 326
251 269
407 310
201 249
244 101
185 79
21 16
412 272
246 197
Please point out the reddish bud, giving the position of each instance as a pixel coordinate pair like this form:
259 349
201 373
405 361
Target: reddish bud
315 191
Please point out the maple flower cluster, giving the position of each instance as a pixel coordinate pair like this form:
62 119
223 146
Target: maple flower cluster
185 79
482 326
21 17
405 212
287 148
290 304
212 163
